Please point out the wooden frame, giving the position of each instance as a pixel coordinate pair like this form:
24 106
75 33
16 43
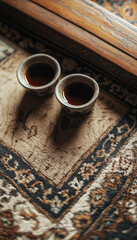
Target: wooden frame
84 28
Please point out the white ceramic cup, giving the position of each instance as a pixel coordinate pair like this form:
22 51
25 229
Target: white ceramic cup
47 88
82 79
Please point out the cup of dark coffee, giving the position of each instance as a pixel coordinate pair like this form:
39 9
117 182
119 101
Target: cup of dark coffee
77 93
39 73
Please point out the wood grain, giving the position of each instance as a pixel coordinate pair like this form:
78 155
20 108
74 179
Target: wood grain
98 21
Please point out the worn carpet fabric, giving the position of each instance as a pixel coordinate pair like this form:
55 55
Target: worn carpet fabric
64 177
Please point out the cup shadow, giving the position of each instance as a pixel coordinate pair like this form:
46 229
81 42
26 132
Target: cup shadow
67 128
28 104
64 128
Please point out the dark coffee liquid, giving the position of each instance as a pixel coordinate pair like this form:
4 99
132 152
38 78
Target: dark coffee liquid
39 74
77 93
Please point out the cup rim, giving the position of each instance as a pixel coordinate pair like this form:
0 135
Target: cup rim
72 76
36 56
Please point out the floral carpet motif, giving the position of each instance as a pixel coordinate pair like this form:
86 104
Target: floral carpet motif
96 198
127 9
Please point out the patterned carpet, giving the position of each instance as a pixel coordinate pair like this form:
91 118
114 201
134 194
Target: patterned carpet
64 177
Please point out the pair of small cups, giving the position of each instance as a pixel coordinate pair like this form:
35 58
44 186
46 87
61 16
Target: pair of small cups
58 85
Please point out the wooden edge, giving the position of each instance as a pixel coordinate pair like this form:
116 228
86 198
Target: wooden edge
52 27
96 20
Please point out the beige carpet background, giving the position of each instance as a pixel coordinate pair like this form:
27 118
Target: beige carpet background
37 128
64 177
